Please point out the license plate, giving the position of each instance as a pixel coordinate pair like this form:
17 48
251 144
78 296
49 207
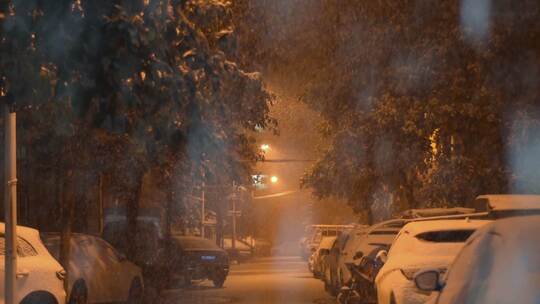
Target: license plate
208 257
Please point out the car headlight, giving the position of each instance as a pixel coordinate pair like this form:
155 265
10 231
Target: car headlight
410 272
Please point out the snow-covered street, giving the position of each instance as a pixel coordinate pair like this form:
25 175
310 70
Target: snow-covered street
262 281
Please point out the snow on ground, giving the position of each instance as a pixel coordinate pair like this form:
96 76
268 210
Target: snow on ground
263 281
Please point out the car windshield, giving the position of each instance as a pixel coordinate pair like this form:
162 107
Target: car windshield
188 243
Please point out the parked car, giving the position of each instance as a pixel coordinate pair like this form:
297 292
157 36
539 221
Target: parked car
314 235
39 276
507 205
188 258
242 252
331 263
433 212
489 269
318 257
97 273
418 245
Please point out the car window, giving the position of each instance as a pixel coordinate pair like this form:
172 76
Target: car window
383 232
451 236
24 248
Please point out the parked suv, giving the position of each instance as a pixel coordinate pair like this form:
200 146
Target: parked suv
97 272
188 258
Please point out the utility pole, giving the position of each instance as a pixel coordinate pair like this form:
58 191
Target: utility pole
10 203
203 211
234 213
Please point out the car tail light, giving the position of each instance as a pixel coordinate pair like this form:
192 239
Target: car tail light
61 275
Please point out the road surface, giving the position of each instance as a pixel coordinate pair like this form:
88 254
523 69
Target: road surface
279 280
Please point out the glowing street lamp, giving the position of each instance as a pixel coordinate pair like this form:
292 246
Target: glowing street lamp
274 179
265 147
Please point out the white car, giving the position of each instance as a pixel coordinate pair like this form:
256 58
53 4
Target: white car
500 263
317 259
421 244
97 273
39 275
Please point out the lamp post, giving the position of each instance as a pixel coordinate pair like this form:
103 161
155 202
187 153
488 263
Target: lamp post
10 203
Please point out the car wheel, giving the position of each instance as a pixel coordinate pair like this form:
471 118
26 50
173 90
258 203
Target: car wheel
79 294
39 297
219 281
135 292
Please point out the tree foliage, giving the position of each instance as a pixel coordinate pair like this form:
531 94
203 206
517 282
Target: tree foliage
420 98
122 87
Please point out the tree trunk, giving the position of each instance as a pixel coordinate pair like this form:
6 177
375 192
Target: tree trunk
169 210
369 216
132 212
219 225
409 195
68 206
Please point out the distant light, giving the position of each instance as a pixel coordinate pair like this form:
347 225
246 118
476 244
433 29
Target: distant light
274 179
265 147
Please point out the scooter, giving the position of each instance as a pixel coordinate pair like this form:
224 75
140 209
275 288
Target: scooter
349 294
361 288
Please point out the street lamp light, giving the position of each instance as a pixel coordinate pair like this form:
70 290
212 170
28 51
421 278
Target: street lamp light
274 179
265 147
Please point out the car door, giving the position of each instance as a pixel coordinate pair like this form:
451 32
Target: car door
87 262
116 274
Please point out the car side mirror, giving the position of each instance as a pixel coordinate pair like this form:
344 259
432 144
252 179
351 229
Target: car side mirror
427 280
358 255
121 257
382 256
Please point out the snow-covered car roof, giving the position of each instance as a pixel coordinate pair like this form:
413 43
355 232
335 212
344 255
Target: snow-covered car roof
415 228
499 202
29 234
327 242
431 212
22 231
388 224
